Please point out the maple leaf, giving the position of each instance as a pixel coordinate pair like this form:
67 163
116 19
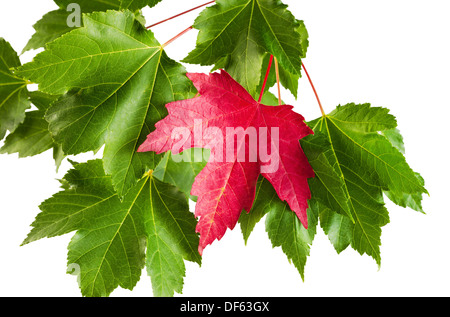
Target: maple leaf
114 239
244 34
356 154
226 185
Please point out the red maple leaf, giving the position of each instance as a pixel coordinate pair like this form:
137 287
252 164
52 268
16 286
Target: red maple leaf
246 139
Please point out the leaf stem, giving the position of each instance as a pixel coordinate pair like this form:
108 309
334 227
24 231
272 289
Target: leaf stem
314 89
277 70
265 79
180 14
176 37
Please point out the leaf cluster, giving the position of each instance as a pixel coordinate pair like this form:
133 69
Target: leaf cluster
103 86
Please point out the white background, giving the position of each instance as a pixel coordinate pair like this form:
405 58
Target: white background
393 54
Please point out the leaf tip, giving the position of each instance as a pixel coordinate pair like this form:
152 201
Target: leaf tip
200 250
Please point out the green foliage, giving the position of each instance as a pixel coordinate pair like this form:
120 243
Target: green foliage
88 6
13 91
137 4
354 165
49 28
114 239
54 24
32 137
242 36
105 85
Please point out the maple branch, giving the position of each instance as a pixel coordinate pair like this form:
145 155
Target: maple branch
180 14
277 70
265 79
314 89
176 37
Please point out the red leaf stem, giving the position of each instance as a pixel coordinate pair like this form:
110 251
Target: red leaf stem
265 79
177 36
314 89
180 14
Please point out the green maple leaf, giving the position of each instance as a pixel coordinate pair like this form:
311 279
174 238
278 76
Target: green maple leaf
117 80
242 35
13 90
355 163
114 239
32 137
